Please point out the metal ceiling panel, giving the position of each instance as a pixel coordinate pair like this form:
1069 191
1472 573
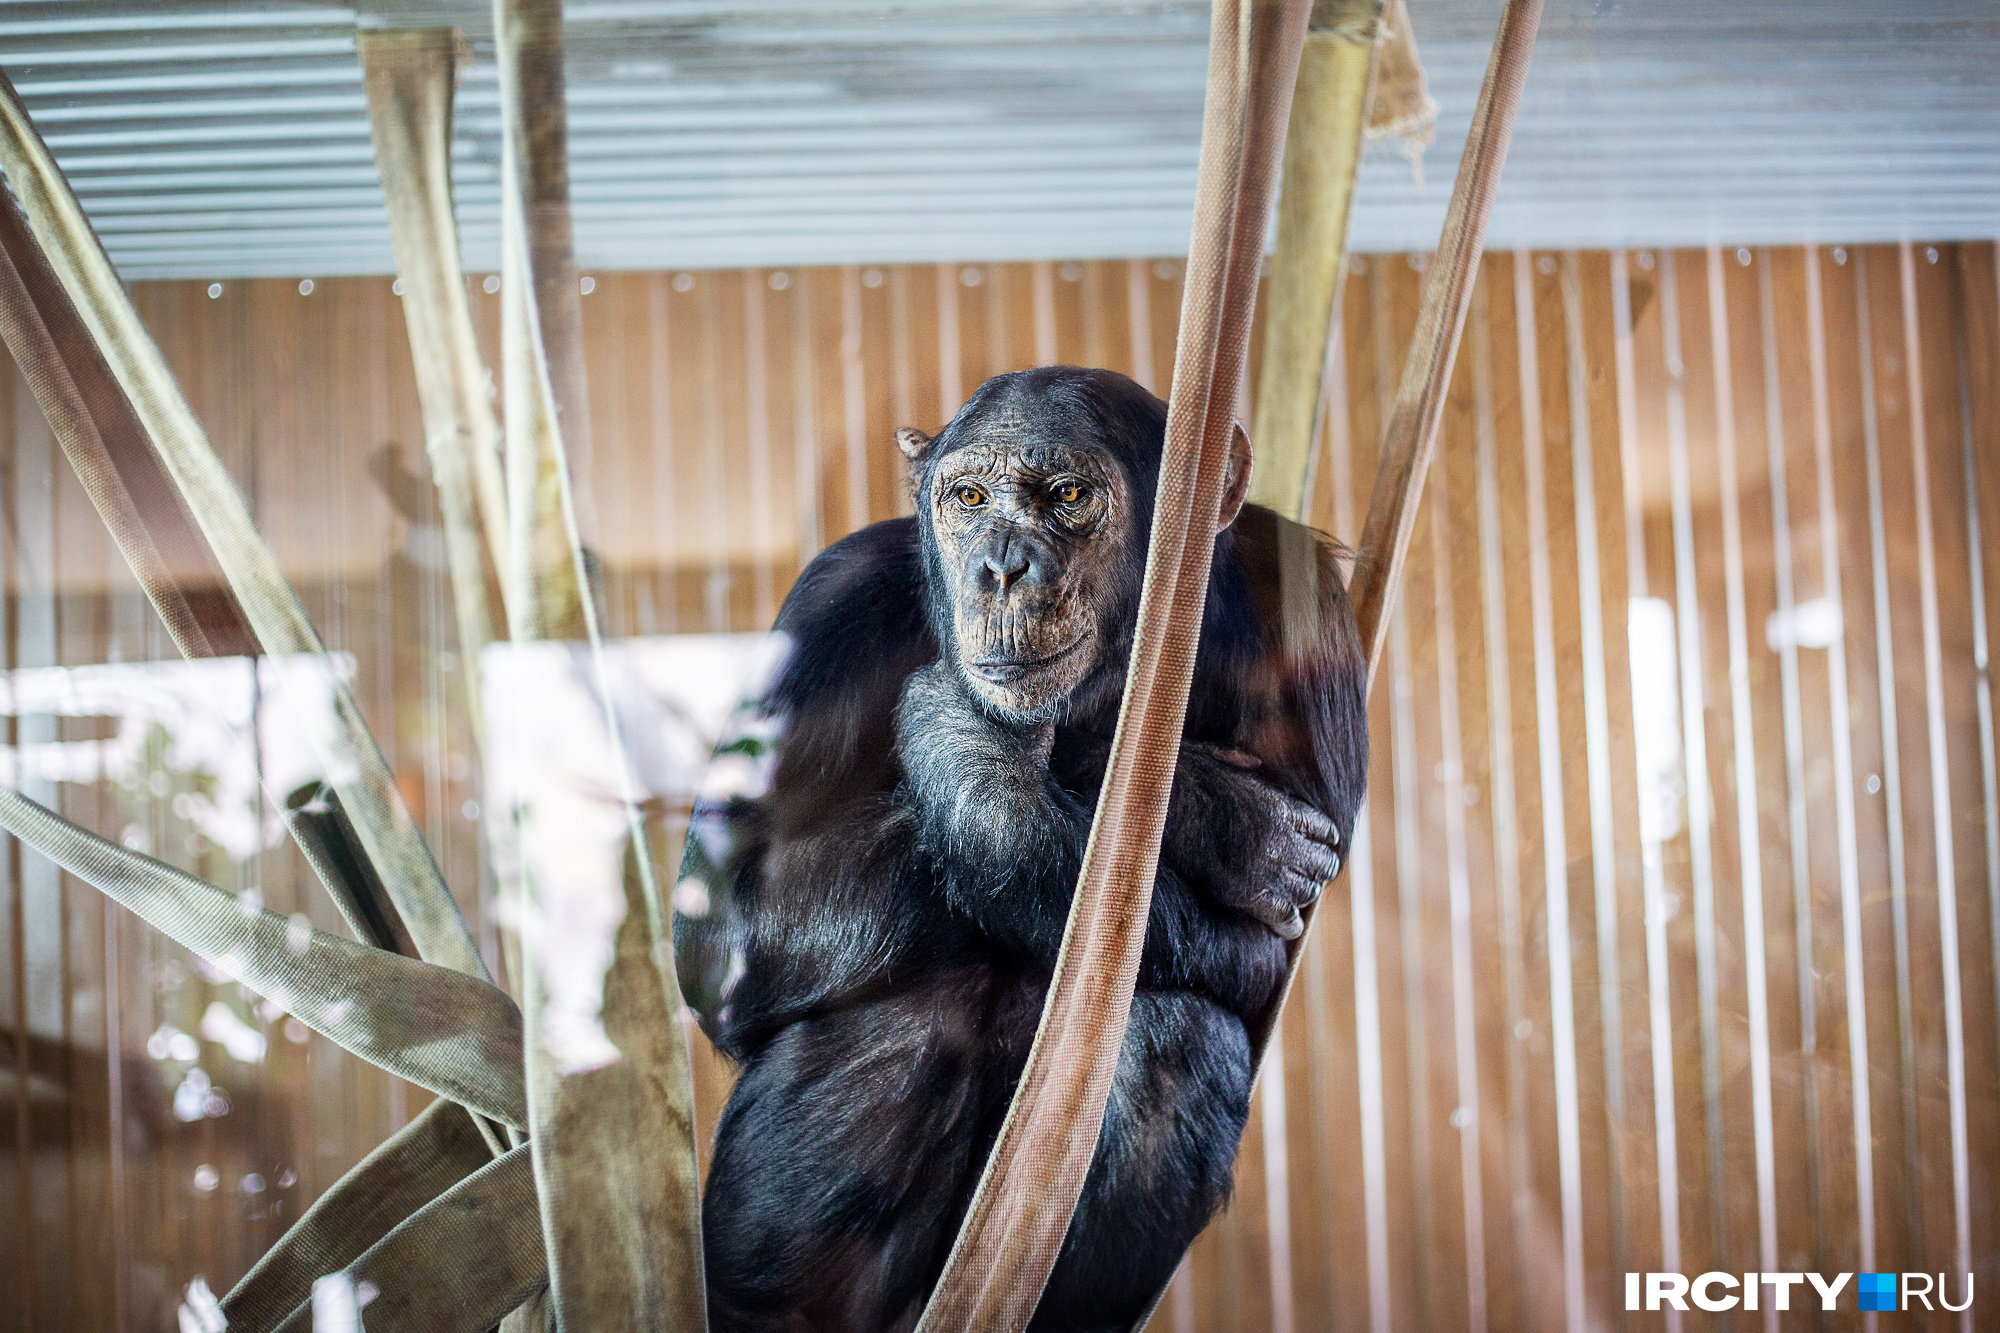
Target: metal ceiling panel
230 138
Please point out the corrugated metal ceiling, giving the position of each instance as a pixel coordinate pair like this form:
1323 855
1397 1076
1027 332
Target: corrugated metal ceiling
231 139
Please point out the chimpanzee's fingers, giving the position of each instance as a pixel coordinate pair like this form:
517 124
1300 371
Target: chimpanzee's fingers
1275 909
1293 925
1305 888
1311 860
1312 823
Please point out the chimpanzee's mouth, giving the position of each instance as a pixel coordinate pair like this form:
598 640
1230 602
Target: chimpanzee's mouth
1007 670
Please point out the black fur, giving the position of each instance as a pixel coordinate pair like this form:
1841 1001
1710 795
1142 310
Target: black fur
895 907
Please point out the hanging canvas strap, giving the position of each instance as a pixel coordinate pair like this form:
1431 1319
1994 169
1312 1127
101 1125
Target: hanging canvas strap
458 1036
1411 435
1322 159
613 1143
404 1174
411 76
457 1265
1021 1209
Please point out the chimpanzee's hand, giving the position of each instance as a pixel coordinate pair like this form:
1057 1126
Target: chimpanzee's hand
1252 847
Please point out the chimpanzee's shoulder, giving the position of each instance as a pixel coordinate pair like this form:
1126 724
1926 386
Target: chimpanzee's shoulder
881 565
858 609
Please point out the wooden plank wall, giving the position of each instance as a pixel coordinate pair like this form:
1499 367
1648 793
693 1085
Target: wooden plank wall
1669 940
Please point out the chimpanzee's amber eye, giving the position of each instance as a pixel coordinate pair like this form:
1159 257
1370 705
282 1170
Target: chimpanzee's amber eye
971 496
1068 492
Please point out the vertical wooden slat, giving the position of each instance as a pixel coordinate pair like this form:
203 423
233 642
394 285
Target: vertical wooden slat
1975 371
1044 279
1597 750
1465 1115
1361 922
1554 835
1891 783
1646 706
19 1223
1845 823
1139 321
1796 795
664 604
1695 750
999 349
951 355
39 915
854 394
902 347
757 404
1277 1184
1406 872
1744 776
1946 863
715 453
1500 794
806 479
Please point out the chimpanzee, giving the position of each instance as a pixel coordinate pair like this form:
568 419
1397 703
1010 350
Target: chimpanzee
882 925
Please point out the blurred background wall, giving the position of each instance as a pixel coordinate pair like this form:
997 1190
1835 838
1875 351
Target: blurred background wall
1673 928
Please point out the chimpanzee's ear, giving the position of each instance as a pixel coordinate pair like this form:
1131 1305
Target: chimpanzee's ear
1235 476
913 442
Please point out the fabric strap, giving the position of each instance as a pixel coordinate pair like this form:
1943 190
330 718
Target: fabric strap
1021 1209
613 1145
410 76
456 1035
422 1160
458 1265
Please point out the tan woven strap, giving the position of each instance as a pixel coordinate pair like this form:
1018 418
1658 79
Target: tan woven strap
456 1265
1021 1210
1322 160
456 1035
1411 435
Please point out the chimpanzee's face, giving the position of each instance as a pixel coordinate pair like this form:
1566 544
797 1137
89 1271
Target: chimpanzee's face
1031 537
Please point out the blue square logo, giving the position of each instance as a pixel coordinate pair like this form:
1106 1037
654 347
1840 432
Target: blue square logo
1878 1291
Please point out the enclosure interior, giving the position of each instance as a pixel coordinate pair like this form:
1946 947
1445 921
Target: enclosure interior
1673 920
1651 462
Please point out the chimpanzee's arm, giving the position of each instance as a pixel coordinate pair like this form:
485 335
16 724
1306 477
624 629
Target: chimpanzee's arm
809 894
1006 835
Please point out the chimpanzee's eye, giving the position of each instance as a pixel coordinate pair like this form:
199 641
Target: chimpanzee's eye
971 496
1067 492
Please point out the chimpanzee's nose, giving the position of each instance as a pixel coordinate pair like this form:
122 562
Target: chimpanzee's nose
1006 566
1006 559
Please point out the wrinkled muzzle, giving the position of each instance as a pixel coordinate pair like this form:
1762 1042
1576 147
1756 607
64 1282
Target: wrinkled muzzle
1025 637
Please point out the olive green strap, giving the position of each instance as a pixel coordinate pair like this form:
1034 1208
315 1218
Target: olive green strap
456 1035
421 1161
410 75
612 1130
457 1265
1322 160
